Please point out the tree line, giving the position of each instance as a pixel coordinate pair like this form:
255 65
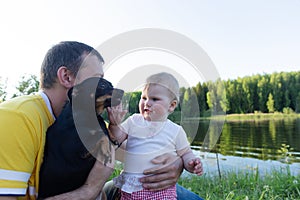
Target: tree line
267 93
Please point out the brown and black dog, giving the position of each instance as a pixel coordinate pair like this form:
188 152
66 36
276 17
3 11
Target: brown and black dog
78 135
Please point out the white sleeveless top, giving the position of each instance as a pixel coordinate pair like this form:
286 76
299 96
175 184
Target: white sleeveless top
147 140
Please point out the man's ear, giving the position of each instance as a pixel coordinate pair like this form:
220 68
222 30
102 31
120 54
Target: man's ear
65 77
173 105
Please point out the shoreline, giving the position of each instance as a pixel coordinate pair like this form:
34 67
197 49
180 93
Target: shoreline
250 117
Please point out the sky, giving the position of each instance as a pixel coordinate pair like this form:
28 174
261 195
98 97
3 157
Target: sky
242 38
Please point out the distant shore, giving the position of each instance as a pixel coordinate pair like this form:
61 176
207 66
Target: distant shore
254 116
261 116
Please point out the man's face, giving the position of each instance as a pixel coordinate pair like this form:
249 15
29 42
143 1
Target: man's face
91 67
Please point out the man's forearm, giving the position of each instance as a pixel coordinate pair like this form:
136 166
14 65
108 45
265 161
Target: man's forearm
7 198
84 192
93 186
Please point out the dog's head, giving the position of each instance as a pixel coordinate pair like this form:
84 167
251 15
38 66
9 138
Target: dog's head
106 95
91 97
99 90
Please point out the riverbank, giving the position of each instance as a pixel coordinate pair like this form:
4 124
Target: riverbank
261 116
254 116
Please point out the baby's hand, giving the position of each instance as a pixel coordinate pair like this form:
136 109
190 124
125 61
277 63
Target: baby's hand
196 166
116 114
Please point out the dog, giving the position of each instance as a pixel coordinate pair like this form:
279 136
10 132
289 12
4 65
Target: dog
78 136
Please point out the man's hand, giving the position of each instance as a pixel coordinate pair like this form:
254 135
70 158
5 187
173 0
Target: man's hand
165 175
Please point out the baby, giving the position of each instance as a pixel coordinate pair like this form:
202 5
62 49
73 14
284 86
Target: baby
150 134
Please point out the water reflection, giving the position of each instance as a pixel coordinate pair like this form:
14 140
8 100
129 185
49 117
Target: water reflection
261 139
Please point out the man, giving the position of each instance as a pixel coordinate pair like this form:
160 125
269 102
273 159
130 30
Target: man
24 121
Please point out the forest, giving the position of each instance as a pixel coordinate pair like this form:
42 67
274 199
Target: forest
266 93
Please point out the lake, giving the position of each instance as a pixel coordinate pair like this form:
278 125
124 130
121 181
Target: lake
247 145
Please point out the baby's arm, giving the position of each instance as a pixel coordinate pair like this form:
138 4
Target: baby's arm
115 116
190 161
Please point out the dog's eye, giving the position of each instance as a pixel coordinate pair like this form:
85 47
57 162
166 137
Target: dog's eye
104 85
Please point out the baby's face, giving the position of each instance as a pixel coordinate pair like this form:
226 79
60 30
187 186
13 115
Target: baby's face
155 103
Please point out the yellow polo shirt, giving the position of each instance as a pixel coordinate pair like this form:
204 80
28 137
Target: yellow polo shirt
23 125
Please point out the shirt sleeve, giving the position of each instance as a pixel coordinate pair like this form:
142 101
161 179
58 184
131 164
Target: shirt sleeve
181 141
18 153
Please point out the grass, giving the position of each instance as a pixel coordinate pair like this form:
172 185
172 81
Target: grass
276 185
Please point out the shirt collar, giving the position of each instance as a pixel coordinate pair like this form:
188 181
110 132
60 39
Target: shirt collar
47 101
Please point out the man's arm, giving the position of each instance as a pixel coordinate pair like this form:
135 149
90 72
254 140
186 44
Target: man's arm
89 191
164 175
7 198
93 185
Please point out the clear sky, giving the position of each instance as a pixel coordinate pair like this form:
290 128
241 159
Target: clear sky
241 37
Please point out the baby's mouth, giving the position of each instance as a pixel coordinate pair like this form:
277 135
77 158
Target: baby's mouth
146 110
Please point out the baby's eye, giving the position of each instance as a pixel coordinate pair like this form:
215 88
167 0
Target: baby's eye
155 99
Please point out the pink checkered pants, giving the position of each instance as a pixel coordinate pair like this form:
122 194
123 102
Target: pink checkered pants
166 194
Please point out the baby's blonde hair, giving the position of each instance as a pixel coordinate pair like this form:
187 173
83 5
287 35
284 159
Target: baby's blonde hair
166 80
